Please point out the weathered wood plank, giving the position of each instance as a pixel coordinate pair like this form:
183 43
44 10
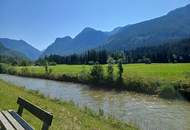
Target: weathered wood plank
21 121
35 110
12 120
5 123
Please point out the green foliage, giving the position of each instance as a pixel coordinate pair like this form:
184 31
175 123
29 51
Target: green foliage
101 112
40 62
25 70
138 84
2 68
24 63
110 69
136 77
120 71
8 69
174 51
11 70
83 74
97 73
167 91
182 84
48 70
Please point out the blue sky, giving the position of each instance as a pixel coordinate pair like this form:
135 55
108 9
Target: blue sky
39 22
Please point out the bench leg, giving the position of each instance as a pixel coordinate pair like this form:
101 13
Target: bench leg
20 110
45 126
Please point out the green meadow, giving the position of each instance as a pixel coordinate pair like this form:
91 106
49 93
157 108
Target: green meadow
168 72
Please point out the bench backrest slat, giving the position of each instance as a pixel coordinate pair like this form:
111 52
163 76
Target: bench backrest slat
43 115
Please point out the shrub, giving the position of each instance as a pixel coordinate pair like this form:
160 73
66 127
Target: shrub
101 112
120 71
142 85
83 75
167 91
110 69
24 63
11 70
48 70
24 70
97 73
7 69
182 84
3 68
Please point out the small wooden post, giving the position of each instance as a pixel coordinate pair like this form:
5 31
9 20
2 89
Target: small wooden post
20 110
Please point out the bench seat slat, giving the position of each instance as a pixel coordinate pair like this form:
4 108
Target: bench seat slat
12 120
21 121
5 123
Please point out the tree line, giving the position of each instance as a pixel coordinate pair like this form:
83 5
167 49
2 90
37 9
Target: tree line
172 52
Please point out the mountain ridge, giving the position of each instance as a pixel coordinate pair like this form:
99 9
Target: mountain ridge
174 25
5 52
22 47
88 38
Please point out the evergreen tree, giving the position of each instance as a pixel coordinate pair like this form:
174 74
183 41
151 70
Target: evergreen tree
120 71
110 69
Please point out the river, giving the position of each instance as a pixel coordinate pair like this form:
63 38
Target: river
146 112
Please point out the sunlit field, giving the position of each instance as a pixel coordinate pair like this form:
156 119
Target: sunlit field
157 71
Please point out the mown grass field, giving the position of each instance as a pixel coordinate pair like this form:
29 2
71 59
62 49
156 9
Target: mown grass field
169 72
66 115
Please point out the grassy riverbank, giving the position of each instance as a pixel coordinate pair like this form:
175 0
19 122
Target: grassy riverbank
66 115
162 79
165 80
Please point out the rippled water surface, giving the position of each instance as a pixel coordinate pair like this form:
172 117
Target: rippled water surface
147 112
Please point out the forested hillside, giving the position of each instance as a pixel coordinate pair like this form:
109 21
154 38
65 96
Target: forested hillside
178 51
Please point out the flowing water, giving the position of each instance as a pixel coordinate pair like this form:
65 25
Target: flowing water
146 112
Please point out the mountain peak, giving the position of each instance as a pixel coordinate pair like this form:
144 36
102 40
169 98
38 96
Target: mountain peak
88 29
66 38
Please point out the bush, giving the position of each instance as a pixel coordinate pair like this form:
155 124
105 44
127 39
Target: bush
120 71
140 85
3 68
83 75
97 73
110 69
7 69
11 70
24 63
24 70
167 91
182 84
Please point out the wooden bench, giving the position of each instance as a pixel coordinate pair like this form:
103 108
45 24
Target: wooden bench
10 120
